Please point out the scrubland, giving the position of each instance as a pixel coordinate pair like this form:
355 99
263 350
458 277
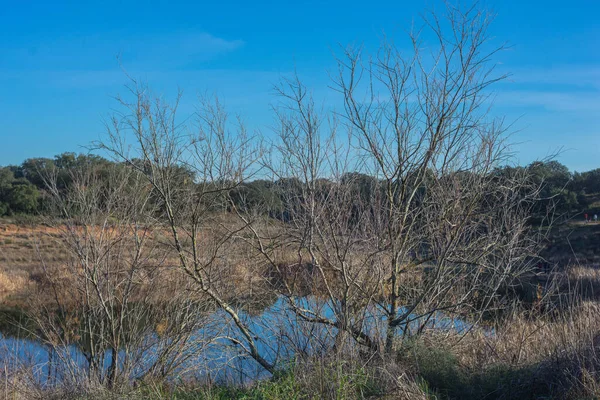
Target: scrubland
544 345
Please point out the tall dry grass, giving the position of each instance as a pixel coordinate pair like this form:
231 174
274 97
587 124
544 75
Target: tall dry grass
548 350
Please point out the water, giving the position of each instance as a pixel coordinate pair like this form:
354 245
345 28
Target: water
210 354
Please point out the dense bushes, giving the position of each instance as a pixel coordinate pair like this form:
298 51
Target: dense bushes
17 195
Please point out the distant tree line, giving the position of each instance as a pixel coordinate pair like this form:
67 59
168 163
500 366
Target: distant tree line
23 187
563 192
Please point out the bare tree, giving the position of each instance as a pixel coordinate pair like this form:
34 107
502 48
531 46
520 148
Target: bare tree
423 126
394 209
110 299
438 228
191 173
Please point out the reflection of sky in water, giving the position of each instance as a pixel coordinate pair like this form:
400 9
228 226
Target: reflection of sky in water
279 333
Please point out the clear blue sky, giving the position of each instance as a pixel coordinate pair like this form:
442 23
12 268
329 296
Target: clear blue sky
58 67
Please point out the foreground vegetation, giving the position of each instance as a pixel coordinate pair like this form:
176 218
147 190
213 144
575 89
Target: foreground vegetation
537 357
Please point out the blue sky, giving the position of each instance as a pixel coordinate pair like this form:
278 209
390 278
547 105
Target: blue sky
58 68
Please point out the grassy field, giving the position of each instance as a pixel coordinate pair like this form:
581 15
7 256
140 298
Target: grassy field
23 252
31 254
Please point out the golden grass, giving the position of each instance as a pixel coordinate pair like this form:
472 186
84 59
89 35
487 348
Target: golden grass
528 340
32 256
12 284
23 252
579 272
556 354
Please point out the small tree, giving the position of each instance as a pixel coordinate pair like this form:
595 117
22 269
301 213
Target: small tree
149 138
114 296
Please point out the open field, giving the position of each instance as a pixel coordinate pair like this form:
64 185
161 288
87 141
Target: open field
30 254
29 251
23 251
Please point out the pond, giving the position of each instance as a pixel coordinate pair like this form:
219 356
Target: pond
211 353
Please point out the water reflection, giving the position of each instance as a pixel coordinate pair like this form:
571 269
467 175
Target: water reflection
211 352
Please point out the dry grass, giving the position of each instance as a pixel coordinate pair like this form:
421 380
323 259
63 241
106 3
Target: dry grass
13 284
31 256
523 340
580 272
21 248
555 355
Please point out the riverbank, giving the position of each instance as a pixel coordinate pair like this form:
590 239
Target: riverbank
544 345
553 356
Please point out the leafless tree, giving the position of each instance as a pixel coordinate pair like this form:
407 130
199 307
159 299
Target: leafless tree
423 125
438 227
109 299
191 168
